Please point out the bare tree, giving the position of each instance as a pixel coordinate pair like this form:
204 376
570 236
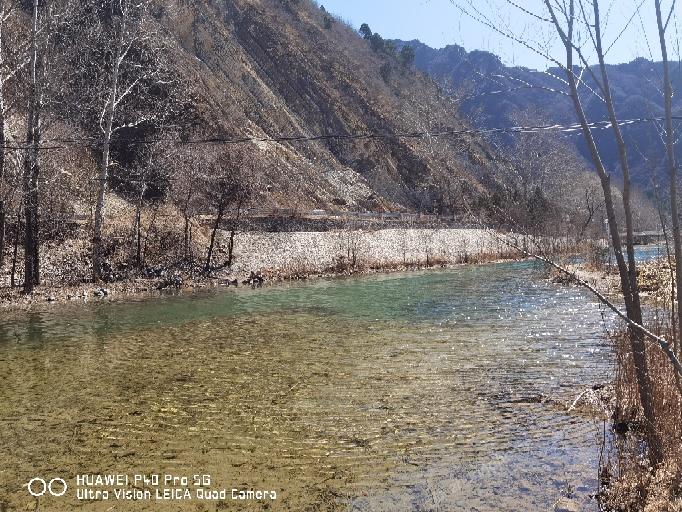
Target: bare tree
566 18
231 187
16 45
31 161
3 78
188 196
550 186
670 151
148 180
141 181
46 51
186 169
627 271
131 53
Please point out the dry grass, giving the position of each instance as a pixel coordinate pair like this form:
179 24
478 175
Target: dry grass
480 258
631 484
655 282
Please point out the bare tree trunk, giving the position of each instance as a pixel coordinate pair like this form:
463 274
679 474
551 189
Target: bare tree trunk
138 236
216 225
31 239
637 338
3 220
185 250
3 231
604 178
625 166
138 227
31 169
676 348
672 164
150 228
109 113
590 215
672 173
230 247
15 252
185 215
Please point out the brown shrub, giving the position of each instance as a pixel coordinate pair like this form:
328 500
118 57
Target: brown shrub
631 484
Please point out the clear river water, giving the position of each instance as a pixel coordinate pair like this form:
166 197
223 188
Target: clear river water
416 391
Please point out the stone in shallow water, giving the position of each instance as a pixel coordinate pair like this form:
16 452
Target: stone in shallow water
566 505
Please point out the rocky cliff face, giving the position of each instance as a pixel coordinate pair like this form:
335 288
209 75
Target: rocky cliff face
270 68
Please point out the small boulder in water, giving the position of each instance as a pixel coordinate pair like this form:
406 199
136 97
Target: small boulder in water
174 281
566 505
255 279
101 292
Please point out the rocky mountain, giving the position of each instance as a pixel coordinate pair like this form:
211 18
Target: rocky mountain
322 116
494 95
281 68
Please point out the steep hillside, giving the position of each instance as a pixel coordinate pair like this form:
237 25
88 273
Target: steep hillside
270 68
275 90
499 96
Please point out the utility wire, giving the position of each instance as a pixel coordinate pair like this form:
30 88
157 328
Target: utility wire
64 143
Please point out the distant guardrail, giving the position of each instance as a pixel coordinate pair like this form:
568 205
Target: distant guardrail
264 213
283 213
646 237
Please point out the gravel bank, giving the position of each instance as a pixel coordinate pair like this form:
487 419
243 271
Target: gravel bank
314 252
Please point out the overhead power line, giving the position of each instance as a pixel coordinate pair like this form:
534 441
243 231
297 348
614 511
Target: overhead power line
64 143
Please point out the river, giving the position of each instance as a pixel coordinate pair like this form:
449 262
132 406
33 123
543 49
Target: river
415 391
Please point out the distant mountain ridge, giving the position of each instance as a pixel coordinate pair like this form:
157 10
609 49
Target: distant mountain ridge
494 95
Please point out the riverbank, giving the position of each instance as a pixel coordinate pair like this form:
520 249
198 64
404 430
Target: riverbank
603 281
259 258
654 276
629 481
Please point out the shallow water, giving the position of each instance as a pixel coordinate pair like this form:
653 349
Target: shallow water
394 392
646 253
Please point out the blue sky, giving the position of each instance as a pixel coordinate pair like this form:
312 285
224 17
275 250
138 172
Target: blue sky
439 22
